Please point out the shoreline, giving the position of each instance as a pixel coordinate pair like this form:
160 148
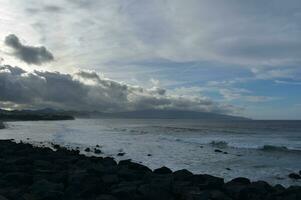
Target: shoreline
29 172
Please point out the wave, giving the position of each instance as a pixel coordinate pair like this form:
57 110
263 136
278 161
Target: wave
181 129
267 148
278 148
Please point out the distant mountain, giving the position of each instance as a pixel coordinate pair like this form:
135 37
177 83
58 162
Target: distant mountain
167 114
52 114
33 115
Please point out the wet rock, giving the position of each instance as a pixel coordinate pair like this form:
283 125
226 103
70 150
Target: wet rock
124 190
97 151
87 149
121 154
294 176
219 195
149 154
239 181
255 190
163 170
182 175
31 173
110 179
150 192
44 189
107 161
218 151
134 166
279 188
3 198
205 181
18 177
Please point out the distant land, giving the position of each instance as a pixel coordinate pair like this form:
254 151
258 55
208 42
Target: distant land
145 114
169 114
31 115
52 114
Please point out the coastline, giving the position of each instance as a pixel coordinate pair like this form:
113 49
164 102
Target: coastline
29 172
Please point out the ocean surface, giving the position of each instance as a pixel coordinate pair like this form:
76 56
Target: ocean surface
259 150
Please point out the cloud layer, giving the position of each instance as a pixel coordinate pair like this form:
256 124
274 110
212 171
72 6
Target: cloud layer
28 54
86 90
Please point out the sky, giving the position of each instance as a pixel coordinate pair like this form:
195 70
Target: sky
224 56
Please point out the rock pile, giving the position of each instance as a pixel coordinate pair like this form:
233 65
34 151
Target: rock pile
32 173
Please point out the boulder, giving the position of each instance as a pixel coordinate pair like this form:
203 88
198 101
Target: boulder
182 175
151 192
108 161
239 181
97 151
162 170
205 181
124 190
3 198
110 179
44 189
294 176
255 190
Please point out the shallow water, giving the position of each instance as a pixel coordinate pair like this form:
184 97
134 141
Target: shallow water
259 150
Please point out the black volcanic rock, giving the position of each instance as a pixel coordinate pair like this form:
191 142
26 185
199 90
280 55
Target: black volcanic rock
163 170
97 151
294 176
28 172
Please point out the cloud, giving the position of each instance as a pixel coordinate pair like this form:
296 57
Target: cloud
86 90
28 54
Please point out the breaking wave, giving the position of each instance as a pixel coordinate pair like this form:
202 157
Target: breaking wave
278 148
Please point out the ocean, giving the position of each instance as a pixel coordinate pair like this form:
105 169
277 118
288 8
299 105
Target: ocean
259 150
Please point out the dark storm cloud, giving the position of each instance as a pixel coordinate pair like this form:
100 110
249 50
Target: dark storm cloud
88 91
28 54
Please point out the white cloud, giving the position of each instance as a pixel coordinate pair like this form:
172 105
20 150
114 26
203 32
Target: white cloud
84 33
86 90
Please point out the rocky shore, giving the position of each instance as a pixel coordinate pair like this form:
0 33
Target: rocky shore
35 173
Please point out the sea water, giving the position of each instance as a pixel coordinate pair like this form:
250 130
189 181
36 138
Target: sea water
259 150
